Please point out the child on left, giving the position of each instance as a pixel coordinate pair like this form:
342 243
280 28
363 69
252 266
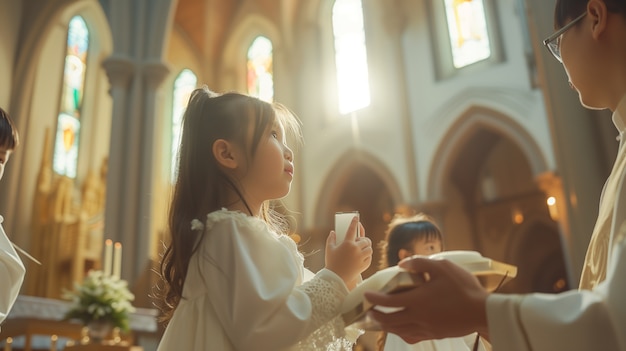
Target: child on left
11 267
233 279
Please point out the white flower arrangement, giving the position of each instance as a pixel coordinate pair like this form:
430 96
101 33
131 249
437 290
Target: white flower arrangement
102 298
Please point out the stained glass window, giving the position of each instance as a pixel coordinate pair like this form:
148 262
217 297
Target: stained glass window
260 69
467 29
350 56
68 122
184 84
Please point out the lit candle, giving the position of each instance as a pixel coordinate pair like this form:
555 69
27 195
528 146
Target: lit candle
108 256
117 260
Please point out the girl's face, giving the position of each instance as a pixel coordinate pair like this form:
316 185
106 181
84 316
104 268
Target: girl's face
271 170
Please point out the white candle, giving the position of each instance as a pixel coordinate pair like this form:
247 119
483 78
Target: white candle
108 256
117 260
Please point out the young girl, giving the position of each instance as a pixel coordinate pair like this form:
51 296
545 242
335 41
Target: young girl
234 281
405 237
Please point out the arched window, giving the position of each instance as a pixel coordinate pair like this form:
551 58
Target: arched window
68 122
184 84
350 56
260 68
467 29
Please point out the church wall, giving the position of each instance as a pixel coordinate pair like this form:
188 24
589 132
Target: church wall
374 130
36 93
434 104
437 103
43 110
9 35
454 222
181 54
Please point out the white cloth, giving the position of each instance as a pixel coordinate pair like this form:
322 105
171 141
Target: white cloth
465 343
576 320
11 274
245 290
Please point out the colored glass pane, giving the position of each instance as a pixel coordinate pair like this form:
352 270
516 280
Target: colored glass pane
467 29
66 145
260 77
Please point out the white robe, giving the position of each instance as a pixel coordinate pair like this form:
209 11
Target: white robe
464 343
245 290
11 274
576 320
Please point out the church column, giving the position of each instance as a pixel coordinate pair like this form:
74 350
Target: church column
578 152
395 21
136 71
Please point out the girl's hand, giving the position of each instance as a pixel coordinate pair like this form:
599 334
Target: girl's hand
351 257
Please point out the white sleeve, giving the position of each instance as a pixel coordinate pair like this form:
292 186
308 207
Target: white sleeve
252 282
11 275
573 321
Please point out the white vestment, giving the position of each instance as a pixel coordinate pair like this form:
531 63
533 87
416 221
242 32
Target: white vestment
11 274
245 290
581 320
464 343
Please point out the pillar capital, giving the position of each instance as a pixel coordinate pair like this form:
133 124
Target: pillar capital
119 69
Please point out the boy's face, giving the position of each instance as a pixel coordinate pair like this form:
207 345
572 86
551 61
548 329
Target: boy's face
427 246
4 158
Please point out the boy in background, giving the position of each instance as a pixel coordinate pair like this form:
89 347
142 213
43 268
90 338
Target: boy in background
406 237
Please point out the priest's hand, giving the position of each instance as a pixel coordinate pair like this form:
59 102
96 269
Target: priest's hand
449 302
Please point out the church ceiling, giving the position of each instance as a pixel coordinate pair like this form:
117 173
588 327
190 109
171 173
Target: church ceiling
207 23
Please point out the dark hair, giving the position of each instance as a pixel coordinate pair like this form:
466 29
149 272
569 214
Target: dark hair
566 10
8 133
403 232
201 186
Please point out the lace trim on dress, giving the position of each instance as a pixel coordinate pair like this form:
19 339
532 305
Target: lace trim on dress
326 299
240 217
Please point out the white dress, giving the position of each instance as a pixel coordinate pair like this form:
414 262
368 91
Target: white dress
245 290
576 320
11 274
464 343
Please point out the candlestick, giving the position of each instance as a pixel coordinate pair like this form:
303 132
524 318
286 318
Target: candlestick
108 255
117 260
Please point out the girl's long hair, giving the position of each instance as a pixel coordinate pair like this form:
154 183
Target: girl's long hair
201 187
